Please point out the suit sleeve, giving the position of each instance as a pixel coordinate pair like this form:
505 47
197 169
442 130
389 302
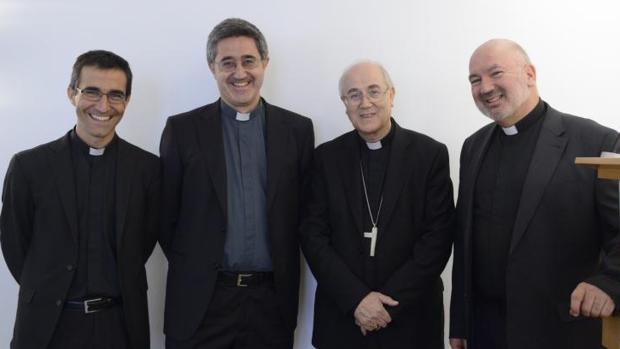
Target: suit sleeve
16 218
171 178
332 274
458 326
153 205
608 277
414 278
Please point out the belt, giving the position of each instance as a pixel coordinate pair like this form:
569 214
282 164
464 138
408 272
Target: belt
243 279
93 305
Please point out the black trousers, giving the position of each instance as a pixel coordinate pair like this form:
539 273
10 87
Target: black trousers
240 318
488 326
101 330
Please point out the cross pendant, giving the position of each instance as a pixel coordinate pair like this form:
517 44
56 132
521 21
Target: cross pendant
372 235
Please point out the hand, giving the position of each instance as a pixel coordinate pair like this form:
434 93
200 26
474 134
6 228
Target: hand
458 343
589 300
370 314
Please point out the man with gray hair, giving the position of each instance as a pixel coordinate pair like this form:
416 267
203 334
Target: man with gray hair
537 251
377 227
234 173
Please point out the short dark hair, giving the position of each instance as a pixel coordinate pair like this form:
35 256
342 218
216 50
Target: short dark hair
103 60
235 27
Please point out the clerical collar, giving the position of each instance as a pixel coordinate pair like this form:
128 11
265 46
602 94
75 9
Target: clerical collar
530 119
229 112
85 149
385 141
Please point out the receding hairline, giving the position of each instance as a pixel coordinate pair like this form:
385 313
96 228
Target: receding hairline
386 76
504 44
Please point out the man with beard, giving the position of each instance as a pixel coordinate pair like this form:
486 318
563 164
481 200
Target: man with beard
537 251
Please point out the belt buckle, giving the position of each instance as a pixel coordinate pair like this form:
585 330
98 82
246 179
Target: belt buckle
240 280
87 304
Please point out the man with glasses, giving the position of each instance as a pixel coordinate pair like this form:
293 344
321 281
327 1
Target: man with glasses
79 220
233 177
377 227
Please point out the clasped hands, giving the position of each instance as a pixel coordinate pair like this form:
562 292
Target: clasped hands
371 315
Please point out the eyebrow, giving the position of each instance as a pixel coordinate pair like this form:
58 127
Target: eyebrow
491 68
92 88
354 89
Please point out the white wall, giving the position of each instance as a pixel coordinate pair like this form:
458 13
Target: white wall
424 44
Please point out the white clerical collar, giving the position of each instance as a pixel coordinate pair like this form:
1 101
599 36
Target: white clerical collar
510 131
374 145
242 116
96 151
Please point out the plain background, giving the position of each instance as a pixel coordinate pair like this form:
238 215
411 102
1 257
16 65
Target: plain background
425 45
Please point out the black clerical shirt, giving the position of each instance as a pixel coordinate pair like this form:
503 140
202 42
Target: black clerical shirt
95 177
374 164
496 200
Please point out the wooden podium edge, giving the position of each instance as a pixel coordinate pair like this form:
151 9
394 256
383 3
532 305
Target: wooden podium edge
607 168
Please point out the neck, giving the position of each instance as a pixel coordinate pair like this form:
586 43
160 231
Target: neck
243 108
94 142
376 136
520 114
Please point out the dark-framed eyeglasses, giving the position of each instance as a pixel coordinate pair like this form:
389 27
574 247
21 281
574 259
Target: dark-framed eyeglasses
374 94
94 95
229 65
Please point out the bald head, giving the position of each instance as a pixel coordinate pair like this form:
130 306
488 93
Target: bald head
503 81
363 65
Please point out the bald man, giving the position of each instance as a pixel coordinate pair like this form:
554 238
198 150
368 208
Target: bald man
377 229
537 251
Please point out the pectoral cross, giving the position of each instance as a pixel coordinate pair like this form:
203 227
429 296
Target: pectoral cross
372 235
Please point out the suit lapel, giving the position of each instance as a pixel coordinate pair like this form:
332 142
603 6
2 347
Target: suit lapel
547 154
470 175
277 144
399 168
62 167
350 175
209 135
124 177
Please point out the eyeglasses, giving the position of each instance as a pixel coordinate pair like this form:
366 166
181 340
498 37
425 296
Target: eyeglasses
229 65
95 95
374 94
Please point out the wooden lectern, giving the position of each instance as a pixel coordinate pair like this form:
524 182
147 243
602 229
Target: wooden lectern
607 168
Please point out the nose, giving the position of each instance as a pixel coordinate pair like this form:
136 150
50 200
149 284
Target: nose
103 104
239 71
486 86
365 103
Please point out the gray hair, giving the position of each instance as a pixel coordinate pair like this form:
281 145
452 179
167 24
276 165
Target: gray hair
386 75
235 27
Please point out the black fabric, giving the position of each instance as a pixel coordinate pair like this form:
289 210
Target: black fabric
95 178
565 232
239 318
496 200
100 330
374 164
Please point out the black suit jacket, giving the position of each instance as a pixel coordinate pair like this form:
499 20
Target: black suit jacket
415 236
566 218
39 235
194 209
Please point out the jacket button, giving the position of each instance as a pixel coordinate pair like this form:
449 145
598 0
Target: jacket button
58 303
69 267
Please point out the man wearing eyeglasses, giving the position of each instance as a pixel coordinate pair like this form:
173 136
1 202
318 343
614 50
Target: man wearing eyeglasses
79 220
233 177
377 227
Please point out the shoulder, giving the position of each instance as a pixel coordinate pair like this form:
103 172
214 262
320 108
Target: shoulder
579 125
188 117
296 120
139 155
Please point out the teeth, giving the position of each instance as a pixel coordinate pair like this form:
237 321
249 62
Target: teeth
241 83
100 118
493 99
